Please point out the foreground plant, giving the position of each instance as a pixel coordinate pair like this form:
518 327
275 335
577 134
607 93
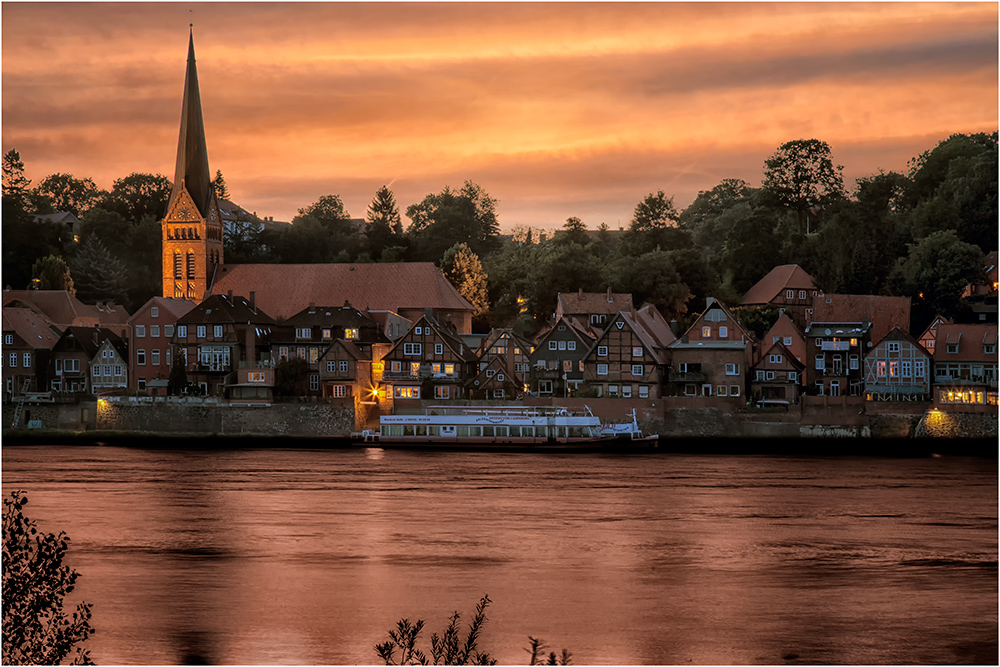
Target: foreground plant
449 648
36 629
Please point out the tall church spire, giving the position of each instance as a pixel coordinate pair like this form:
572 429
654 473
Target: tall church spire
192 170
192 229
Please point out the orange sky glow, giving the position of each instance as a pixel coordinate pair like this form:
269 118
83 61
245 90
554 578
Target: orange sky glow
556 109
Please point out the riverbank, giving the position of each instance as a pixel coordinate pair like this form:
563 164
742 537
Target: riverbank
733 446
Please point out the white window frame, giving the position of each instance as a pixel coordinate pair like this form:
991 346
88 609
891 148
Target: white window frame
154 357
26 360
892 346
602 369
562 345
182 331
571 345
412 349
552 345
626 391
201 330
602 350
140 357
640 368
732 369
438 348
643 391
734 390
218 331
787 341
154 330
723 332
140 331
313 382
154 311
789 294
395 366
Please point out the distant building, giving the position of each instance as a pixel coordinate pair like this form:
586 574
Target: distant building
151 332
884 313
788 288
594 309
835 351
28 339
65 310
897 368
965 368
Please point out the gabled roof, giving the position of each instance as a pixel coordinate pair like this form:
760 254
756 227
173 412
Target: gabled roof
332 316
62 217
349 347
653 321
898 334
582 333
504 332
786 276
64 309
588 303
448 337
788 357
171 305
285 289
933 326
714 304
970 338
637 326
481 381
117 344
785 326
884 312
33 328
222 309
91 338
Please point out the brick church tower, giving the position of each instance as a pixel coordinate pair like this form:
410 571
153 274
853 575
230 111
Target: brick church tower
192 228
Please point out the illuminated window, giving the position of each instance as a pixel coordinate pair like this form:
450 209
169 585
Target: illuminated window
351 334
881 369
436 368
449 369
340 391
313 355
706 332
441 392
415 368
327 334
395 366
406 392
255 376
893 369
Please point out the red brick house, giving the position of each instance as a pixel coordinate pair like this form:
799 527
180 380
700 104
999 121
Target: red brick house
69 367
965 368
592 309
786 332
711 361
503 368
928 338
65 310
151 332
897 368
788 288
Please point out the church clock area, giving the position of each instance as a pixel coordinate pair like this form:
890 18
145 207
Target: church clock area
452 328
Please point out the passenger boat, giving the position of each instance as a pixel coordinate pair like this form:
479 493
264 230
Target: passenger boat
534 427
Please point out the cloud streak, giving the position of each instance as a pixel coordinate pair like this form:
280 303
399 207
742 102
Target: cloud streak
556 109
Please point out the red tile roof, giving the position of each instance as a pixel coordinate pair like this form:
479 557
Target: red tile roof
587 303
884 312
786 276
35 329
784 326
970 339
66 310
175 307
285 289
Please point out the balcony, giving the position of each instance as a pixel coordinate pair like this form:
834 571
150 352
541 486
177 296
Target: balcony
677 376
971 381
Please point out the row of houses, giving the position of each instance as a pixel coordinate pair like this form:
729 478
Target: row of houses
596 344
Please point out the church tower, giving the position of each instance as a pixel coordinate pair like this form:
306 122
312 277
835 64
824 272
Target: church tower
192 228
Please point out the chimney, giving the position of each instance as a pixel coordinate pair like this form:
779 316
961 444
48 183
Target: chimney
253 301
673 327
610 299
229 296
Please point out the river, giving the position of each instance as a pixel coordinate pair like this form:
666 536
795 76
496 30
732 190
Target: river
309 556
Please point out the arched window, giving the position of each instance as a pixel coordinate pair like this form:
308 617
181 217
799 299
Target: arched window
190 265
178 266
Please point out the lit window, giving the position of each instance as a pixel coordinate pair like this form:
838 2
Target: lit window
313 355
706 332
340 391
406 392
414 368
351 334
327 334
881 369
449 369
893 369
396 366
441 392
255 376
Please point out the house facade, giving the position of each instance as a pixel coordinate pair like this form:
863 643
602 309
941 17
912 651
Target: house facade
109 367
834 354
557 360
897 368
965 368
69 369
503 366
430 362
711 360
625 361
592 309
28 339
777 377
150 337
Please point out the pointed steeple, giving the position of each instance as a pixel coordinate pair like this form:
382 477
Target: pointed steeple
192 170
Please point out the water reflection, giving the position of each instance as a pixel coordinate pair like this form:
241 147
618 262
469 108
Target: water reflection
308 557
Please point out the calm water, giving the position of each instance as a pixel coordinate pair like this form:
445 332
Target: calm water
309 556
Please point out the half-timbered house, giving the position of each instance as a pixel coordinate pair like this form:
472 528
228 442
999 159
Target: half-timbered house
776 378
627 359
897 368
557 359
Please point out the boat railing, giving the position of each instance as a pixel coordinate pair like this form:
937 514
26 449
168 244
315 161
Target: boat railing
501 411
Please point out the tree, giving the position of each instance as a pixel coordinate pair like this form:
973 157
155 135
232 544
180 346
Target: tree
712 203
329 210
801 176
98 275
36 628
384 227
441 220
138 195
462 267
574 231
15 183
752 249
178 381
243 239
52 273
219 185
936 271
656 211
650 278
66 193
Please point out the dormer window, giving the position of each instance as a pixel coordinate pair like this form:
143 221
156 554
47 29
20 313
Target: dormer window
327 334
304 333
990 348
351 334
952 348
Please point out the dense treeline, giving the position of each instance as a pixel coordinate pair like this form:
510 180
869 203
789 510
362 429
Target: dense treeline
921 234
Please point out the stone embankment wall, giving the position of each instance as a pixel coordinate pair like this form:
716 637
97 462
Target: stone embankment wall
939 424
282 419
80 416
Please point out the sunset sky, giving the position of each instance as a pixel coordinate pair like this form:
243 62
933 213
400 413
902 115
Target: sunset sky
557 110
